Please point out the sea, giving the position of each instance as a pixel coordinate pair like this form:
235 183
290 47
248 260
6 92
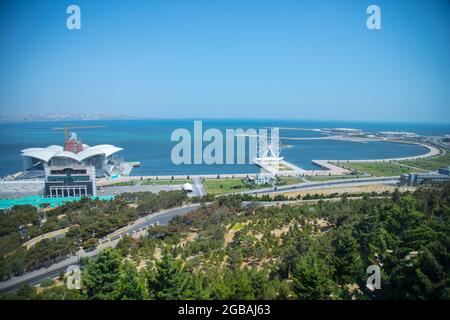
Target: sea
149 142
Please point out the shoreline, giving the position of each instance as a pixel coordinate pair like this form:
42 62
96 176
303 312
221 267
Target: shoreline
329 167
334 164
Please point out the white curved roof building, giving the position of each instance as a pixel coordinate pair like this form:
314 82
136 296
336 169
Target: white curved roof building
73 152
47 153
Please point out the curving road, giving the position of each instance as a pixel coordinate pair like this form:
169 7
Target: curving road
37 276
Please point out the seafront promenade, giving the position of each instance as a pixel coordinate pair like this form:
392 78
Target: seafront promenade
332 169
329 168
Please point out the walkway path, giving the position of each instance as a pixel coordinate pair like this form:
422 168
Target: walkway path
49 235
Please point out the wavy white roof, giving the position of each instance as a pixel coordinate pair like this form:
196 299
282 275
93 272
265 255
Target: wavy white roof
55 147
45 154
107 149
39 153
66 154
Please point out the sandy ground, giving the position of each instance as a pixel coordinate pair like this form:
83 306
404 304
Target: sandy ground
229 236
350 190
190 237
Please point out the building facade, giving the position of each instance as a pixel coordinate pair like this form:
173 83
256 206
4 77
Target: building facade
412 179
69 181
74 152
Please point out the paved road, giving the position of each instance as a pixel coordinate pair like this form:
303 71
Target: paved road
325 184
161 218
198 187
49 235
37 276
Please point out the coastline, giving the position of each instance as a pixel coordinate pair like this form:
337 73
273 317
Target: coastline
330 168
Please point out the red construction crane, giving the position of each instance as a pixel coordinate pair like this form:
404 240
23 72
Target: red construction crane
66 129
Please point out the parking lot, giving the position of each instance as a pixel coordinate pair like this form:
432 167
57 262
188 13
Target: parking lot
18 189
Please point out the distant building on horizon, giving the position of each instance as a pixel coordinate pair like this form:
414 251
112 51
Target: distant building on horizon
397 134
343 130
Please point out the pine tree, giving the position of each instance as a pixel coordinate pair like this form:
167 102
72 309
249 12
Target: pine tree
172 281
130 286
101 274
347 259
311 278
241 286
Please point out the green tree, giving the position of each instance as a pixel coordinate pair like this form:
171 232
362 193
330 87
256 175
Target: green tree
347 260
130 286
101 275
172 281
240 285
311 278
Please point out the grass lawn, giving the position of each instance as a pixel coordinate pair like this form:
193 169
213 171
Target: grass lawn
218 186
378 169
430 164
123 184
159 182
398 167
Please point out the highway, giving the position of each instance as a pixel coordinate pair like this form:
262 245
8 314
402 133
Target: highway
37 276
324 185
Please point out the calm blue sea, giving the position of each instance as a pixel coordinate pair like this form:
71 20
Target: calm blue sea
148 141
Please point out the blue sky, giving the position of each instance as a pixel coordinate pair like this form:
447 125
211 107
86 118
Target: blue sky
233 59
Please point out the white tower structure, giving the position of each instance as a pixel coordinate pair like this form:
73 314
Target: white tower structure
269 154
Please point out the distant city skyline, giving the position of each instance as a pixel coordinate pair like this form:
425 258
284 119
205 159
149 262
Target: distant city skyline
54 116
311 60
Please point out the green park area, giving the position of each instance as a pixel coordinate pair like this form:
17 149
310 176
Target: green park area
379 169
430 164
220 186
395 168
165 182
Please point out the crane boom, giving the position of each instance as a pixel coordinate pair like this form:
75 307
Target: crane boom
67 127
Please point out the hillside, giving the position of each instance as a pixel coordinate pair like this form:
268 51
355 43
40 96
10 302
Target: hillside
307 251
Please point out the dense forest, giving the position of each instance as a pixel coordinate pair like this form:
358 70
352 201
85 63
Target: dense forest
225 250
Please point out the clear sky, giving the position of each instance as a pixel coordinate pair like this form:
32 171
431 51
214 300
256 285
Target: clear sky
228 58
